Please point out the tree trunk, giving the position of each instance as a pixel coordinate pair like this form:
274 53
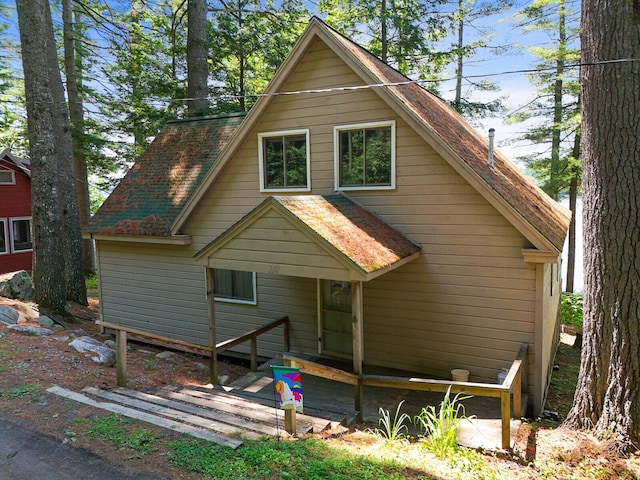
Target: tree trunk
73 74
197 67
608 391
573 206
554 171
36 36
457 104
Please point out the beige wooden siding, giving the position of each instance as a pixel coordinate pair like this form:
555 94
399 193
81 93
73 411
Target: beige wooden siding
273 244
277 296
156 289
550 329
466 302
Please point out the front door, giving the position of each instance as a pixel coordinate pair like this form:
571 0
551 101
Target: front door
336 334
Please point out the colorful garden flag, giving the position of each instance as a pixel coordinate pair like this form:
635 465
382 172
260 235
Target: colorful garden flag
288 387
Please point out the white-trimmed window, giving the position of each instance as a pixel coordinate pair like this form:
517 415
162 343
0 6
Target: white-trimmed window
21 234
234 286
7 177
365 156
284 161
4 237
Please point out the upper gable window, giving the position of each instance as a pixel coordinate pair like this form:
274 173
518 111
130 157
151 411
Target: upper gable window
284 161
4 241
365 156
7 177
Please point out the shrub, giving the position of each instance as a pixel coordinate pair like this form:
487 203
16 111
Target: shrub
571 309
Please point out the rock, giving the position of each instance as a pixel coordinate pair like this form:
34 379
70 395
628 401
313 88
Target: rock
105 355
170 357
44 321
16 285
39 331
8 315
202 368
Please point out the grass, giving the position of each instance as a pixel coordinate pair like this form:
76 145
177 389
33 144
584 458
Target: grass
307 459
29 390
114 428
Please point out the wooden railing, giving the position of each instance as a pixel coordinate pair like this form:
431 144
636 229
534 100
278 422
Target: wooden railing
252 336
121 346
511 385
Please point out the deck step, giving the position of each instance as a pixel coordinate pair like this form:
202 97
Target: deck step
240 405
176 426
219 419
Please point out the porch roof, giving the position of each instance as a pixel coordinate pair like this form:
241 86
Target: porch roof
321 236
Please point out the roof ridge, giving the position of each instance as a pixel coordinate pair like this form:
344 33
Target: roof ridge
206 117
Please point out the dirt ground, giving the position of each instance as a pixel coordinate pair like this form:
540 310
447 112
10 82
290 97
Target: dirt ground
31 364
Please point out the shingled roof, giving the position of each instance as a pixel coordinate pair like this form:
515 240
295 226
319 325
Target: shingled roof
155 190
357 233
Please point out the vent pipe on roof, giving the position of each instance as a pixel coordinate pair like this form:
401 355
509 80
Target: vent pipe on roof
492 134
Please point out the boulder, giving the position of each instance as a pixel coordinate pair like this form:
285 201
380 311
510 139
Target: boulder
44 321
8 315
16 285
31 330
104 355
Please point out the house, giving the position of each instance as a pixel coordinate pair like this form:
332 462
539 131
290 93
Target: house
355 203
16 249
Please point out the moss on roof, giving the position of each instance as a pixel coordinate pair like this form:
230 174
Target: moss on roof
357 233
154 191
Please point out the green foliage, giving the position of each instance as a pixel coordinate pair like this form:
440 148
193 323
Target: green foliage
30 390
571 309
250 39
555 111
413 29
113 428
392 428
439 427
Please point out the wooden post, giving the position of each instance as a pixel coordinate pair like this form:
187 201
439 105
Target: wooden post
505 403
289 415
121 357
290 421
517 394
358 346
213 360
254 353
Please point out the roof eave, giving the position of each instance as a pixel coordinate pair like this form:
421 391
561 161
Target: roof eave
180 240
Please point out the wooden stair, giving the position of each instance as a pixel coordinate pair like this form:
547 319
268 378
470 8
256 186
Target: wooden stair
208 413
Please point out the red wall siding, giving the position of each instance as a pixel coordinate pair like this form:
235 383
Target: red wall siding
15 201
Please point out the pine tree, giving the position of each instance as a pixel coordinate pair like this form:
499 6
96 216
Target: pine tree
607 396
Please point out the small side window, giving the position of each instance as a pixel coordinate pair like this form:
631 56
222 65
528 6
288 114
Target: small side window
234 286
284 161
4 240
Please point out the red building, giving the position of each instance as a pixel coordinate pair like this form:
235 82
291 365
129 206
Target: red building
16 247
